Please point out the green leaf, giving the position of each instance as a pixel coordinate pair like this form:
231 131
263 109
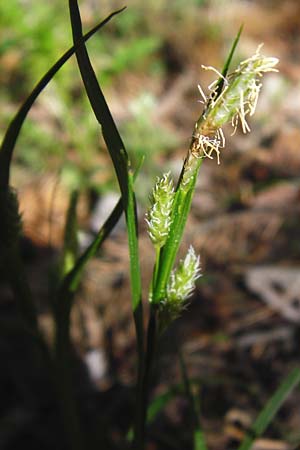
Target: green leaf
99 106
63 306
74 276
70 247
13 260
270 409
120 161
159 403
121 164
16 123
71 281
225 69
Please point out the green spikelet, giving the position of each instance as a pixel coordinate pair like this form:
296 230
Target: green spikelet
159 215
180 287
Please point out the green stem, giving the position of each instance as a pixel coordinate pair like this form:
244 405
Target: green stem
120 161
14 128
184 194
156 266
163 265
155 272
139 435
144 369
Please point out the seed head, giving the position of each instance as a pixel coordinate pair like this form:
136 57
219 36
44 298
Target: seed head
237 100
158 217
179 288
182 280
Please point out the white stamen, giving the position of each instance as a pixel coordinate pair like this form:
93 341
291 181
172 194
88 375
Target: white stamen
213 69
202 93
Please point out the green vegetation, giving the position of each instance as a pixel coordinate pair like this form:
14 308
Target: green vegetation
232 98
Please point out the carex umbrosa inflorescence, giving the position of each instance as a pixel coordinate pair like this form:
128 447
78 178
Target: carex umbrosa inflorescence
231 100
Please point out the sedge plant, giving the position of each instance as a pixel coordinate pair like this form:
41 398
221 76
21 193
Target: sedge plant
231 98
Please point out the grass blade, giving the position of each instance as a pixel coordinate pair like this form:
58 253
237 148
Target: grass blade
98 103
19 283
225 69
72 279
272 406
15 125
119 158
121 164
70 247
62 310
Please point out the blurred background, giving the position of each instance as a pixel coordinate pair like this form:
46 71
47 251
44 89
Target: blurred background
240 335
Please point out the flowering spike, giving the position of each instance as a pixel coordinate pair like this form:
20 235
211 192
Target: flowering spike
182 280
237 100
159 215
179 288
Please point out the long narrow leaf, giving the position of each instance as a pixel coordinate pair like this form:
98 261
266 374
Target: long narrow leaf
271 408
70 247
98 103
13 260
63 306
225 69
15 125
119 158
120 161
71 281
73 278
